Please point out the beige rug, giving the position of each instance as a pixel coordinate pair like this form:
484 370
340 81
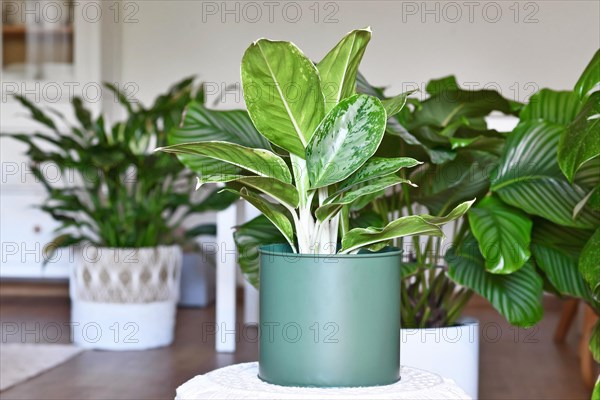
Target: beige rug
19 362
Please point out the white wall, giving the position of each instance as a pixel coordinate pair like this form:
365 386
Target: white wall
548 46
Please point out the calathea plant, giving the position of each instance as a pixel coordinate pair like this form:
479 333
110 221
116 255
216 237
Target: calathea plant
318 157
548 183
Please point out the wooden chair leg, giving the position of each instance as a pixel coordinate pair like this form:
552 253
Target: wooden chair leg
566 320
589 367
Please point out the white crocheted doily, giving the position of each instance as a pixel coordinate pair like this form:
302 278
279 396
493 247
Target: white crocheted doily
240 381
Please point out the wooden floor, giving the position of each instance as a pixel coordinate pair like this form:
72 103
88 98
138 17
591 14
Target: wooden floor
515 363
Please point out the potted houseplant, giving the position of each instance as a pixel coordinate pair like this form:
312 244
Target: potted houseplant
432 302
123 207
317 294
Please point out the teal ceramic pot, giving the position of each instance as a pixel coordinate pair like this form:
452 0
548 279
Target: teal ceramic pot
329 320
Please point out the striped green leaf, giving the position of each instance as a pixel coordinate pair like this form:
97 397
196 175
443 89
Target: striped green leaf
503 234
588 175
259 161
347 137
248 238
528 177
517 296
283 94
338 69
201 124
556 251
589 263
551 106
406 226
276 213
590 76
581 141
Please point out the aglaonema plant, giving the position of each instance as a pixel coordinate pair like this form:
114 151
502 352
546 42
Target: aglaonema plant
318 158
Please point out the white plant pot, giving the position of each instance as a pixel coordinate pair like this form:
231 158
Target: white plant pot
125 299
197 280
451 352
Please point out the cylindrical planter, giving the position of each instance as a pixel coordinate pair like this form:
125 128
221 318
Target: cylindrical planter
197 280
125 299
329 320
452 352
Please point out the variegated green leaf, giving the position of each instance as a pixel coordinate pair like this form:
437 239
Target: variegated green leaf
528 177
347 137
338 69
406 226
377 167
259 161
334 204
581 141
284 193
276 213
282 93
556 251
503 234
456 213
589 263
517 296
590 77
551 106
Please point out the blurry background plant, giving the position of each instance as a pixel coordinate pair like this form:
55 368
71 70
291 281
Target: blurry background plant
449 132
114 190
535 224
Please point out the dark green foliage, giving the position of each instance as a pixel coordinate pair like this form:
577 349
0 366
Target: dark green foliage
115 191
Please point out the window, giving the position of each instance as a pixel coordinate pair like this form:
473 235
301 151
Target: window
37 40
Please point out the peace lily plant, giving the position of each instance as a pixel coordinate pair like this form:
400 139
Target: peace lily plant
318 157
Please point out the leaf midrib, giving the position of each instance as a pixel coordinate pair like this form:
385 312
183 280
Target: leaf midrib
339 95
516 180
287 108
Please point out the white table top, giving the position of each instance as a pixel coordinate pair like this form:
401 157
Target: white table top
240 381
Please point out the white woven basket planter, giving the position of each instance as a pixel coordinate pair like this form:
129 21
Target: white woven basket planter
125 299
